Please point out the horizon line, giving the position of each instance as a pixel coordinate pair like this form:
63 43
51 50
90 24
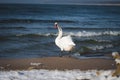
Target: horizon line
99 4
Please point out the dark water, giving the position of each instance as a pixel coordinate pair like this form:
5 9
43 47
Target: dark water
28 30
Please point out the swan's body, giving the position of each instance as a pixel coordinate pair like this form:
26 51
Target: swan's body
64 43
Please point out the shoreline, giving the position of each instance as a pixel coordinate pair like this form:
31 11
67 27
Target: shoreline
59 63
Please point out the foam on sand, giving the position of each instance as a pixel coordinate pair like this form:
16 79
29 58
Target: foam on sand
43 74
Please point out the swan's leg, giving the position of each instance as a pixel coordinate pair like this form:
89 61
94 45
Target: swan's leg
60 54
70 53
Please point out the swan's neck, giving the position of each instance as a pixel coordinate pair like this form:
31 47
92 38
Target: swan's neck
59 32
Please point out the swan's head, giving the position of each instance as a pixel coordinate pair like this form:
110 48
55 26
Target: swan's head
56 24
115 55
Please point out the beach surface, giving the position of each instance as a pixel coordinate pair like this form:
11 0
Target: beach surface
57 68
59 63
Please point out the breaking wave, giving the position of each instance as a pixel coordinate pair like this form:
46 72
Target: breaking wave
97 47
75 34
37 34
88 33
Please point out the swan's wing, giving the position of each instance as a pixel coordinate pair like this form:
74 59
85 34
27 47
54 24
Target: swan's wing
67 40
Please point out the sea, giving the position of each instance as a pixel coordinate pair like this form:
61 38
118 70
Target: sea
27 30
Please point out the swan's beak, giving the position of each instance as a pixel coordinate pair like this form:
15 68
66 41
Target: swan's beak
56 25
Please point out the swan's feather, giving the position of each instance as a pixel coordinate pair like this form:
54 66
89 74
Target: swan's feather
67 40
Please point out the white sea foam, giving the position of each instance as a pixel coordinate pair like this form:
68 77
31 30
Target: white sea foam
98 47
57 75
76 34
90 33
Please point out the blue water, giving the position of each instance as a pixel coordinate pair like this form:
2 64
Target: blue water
27 30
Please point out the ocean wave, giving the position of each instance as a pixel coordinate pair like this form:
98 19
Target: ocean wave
93 48
12 28
82 28
75 34
3 38
99 47
94 41
88 33
33 20
37 34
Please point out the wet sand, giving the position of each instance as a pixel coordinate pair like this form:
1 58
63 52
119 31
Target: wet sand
60 63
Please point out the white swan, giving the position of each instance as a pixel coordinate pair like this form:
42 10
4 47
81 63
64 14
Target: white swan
64 43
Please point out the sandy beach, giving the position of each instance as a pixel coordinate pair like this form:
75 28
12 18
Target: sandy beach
60 63
57 68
